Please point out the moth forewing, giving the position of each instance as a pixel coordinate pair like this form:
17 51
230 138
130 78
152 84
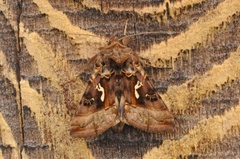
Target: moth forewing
119 92
149 120
93 124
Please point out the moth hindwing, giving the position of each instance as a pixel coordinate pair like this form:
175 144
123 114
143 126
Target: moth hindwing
119 91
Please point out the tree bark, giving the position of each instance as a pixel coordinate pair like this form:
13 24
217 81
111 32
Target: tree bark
191 53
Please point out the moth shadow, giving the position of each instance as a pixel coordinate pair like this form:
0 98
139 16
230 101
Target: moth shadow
130 143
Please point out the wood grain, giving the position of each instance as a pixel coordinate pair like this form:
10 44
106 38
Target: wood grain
193 61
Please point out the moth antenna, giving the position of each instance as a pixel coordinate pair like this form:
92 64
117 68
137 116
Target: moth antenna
125 28
125 40
82 34
147 33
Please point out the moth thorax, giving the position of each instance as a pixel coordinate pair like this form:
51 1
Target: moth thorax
118 79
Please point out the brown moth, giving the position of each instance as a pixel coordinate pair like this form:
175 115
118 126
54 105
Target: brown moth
118 92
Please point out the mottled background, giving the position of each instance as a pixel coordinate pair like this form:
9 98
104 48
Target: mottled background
193 61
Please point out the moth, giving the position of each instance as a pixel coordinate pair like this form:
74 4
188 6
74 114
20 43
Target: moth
119 92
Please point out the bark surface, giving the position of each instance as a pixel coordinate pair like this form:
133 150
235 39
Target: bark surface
192 56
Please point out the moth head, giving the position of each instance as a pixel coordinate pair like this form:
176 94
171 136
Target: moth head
112 39
126 40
